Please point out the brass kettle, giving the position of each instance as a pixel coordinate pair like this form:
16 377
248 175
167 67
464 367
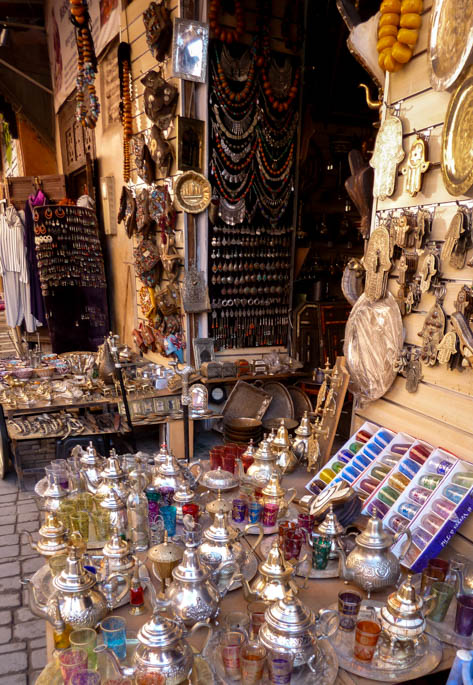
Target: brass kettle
52 537
371 565
275 577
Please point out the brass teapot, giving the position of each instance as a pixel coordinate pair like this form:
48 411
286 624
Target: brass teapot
371 565
275 577
80 603
222 539
291 626
162 648
274 493
52 537
193 594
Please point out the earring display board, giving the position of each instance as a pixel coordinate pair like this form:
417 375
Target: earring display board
72 276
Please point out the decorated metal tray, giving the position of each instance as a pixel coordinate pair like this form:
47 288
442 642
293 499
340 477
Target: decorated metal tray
429 656
450 42
457 163
248 570
326 667
302 570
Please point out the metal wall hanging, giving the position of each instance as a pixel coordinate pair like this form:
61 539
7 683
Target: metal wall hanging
450 41
460 321
416 166
359 187
160 99
195 295
158 27
192 192
457 162
190 144
446 347
388 153
189 50
429 270
433 330
457 239
377 264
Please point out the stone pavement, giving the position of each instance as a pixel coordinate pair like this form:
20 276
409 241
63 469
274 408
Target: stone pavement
22 635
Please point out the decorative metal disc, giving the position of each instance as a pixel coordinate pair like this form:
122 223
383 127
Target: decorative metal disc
450 42
457 160
192 192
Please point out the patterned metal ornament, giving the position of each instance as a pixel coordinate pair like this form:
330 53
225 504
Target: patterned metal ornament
446 347
388 153
432 333
377 264
195 295
413 373
416 166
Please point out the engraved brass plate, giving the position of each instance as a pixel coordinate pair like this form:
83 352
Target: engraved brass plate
451 41
192 192
457 158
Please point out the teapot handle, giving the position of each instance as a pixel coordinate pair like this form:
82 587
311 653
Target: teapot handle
236 572
406 545
125 590
293 492
309 569
202 624
200 470
331 619
247 528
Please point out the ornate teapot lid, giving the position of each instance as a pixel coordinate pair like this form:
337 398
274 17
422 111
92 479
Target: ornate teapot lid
116 547
165 552
405 602
218 479
51 528
281 441
304 430
264 451
191 568
74 578
90 456
162 455
273 487
221 531
112 470
169 466
275 565
331 526
289 615
184 493
159 631
218 505
374 536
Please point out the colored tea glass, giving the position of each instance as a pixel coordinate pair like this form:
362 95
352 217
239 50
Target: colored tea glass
399 481
80 522
366 639
114 635
252 657
421 537
368 485
408 509
419 495
168 513
443 507
239 507
85 638
72 661
409 468
348 607
431 523
430 480
378 508
464 615
379 472
283 529
398 523
167 494
256 612
355 447
270 514
455 493
86 678
306 521
280 665
327 475
192 509
230 644
388 495
254 512
464 479
293 542
443 593
361 461
320 552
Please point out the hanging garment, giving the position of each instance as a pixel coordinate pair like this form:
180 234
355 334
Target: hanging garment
14 271
37 303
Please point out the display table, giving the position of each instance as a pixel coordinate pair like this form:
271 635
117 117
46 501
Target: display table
319 593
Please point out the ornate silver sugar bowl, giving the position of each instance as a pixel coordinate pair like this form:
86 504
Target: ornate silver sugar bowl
162 648
52 537
403 623
218 479
291 626
371 565
81 604
193 595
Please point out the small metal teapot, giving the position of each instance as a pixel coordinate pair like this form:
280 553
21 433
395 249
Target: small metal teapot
274 493
291 626
170 473
275 577
92 465
193 595
53 494
52 537
282 446
371 565
300 444
118 555
113 477
80 603
403 622
162 648
223 539
185 495
264 464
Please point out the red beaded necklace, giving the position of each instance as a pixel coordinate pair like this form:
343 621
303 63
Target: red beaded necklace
226 35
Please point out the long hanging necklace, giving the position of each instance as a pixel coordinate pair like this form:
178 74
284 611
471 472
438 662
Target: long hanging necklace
124 71
229 134
86 65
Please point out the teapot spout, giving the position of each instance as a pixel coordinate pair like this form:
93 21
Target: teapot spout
344 572
37 607
33 544
248 593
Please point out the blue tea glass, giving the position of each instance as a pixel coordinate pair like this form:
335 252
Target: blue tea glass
114 635
168 512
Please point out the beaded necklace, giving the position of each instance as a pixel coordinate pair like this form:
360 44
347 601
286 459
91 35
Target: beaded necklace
247 159
86 65
124 71
228 133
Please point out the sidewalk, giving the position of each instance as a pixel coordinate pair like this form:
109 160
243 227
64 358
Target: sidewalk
22 635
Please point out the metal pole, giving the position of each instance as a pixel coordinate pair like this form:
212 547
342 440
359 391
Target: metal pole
25 76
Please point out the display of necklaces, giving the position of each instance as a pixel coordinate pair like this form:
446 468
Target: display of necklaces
72 276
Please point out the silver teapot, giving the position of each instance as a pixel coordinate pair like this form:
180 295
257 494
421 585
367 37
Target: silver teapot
222 539
113 477
81 604
264 464
371 565
185 495
116 552
289 625
161 648
170 473
194 595
275 577
91 467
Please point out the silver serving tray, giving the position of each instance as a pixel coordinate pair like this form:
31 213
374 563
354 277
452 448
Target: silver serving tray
427 661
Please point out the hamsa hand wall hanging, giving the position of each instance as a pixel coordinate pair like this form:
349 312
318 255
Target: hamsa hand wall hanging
446 347
432 334
388 153
457 239
377 264
416 166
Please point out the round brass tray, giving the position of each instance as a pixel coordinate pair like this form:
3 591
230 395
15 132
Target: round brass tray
192 192
457 161
450 42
